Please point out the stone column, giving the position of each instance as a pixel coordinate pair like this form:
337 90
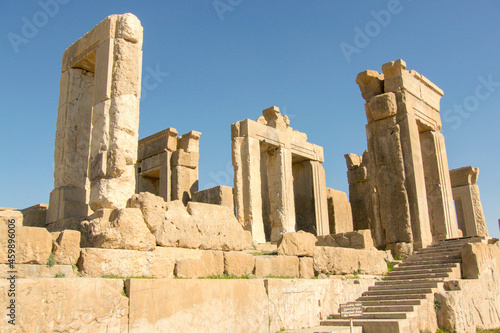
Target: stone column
281 197
415 182
320 199
468 202
438 186
115 118
98 117
247 185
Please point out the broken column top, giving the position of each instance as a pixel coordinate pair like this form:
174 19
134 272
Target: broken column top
464 176
189 142
126 26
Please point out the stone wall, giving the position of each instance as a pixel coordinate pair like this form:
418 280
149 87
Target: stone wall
177 305
473 301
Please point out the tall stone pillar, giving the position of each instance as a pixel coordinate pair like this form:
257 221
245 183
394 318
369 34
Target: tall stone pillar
281 198
98 118
438 185
468 202
320 199
247 185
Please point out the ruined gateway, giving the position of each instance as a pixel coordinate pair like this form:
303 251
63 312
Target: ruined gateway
410 244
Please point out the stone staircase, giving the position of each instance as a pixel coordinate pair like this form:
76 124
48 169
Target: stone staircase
403 301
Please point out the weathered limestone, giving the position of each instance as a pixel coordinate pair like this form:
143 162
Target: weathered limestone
363 198
306 267
98 119
339 212
68 305
169 222
167 165
35 216
239 306
218 227
126 263
238 263
298 303
218 195
278 178
337 260
32 271
407 165
121 228
276 266
7 214
66 247
33 245
472 302
301 244
359 239
209 263
468 202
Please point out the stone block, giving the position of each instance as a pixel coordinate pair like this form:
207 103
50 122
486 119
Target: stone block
122 228
209 263
371 83
400 250
479 257
306 267
169 222
358 175
33 245
276 266
353 161
65 224
189 142
66 247
35 216
68 305
340 261
327 240
206 305
381 107
7 214
299 243
185 159
238 263
218 227
218 195
30 271
339 211
125 263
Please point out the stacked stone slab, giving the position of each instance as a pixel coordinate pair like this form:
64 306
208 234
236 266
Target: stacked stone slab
468 202
407 165
167 165
98 119
279 182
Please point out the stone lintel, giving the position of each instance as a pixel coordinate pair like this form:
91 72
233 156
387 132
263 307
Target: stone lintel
157 143
397 78
277 138
464 176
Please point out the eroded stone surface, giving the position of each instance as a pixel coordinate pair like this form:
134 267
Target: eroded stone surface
276 266
299 243
209 263
336 260
238 263
66 247
122 228
33 245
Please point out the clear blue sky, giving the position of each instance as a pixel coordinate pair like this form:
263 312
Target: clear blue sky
228 60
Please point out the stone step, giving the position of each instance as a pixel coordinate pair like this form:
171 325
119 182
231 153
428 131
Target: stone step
378 315
327 329
388 308
437 256
430 261
397 292
397 281
404 285
391 302
416 276
372 325
456 241
402 297
419 271
447 249
431 266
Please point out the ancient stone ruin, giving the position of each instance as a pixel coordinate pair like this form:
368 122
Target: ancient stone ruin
128 242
